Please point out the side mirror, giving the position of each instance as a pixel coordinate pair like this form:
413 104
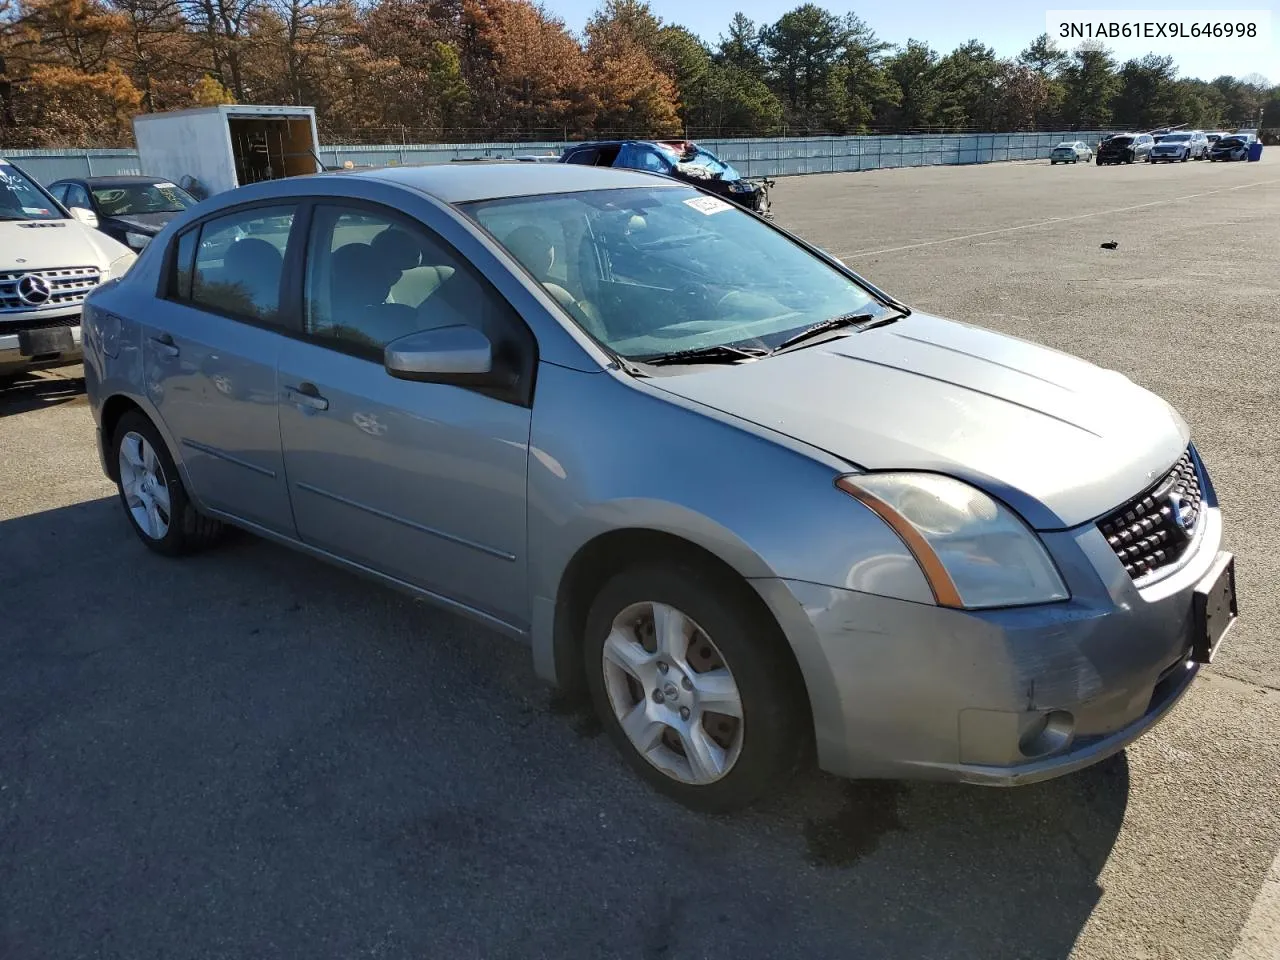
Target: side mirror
456 354
87 217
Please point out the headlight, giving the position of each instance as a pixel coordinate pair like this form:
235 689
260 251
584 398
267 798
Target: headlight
137 240
739 186
120 266
974 551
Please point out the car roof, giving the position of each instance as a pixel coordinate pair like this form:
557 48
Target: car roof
465 181
117 181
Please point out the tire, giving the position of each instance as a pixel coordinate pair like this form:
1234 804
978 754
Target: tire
660 686
1186 157
146 478
1098 161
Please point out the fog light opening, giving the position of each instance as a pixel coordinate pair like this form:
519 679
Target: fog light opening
1046 734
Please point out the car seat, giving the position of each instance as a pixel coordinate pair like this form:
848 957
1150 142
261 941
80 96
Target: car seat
251 268
359 284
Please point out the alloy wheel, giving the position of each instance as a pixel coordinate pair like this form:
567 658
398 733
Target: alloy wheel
674 696
146 491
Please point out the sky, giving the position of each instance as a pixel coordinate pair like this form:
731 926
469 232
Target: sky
1006 25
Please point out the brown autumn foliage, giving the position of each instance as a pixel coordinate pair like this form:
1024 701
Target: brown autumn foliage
76 71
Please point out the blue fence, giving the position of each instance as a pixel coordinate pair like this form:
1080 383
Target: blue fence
780 157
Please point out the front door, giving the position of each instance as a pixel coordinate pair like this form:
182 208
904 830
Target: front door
210 359
422 482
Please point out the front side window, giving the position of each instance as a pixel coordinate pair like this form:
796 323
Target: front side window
78 197
652 271
239 263
640 157
373 278
135 198
21 199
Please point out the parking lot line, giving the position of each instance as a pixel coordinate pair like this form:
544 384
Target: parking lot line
1260 936
1055 220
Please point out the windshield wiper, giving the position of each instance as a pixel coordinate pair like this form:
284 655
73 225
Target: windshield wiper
719 353
863 321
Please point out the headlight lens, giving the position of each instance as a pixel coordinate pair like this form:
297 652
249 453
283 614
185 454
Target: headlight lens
136 241
740 186
974 551
120 266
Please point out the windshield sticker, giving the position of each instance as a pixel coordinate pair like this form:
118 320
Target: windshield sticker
38 211
167 186
707 205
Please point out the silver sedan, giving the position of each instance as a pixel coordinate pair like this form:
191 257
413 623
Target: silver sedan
1070 151
759 508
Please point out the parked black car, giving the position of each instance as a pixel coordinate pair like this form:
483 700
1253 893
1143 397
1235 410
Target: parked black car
1126 148
681 159
129 209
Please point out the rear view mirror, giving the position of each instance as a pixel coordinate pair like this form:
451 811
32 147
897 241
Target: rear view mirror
456 354
87 217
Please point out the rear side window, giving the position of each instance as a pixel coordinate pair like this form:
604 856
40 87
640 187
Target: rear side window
585 157
238 264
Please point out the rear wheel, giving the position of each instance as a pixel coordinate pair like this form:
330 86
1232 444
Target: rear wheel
152 493
699 694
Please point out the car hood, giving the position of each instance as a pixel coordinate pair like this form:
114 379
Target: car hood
148 223
1059 439
49 244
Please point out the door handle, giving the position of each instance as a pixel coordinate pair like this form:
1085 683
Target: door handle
306 395
167 347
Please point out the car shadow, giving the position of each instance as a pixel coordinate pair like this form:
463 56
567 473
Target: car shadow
36 391
248 747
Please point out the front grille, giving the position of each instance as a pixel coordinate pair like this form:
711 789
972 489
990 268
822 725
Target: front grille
42 323
1154 529
67 286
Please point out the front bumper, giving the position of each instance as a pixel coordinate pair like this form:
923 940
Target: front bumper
14 360
1004 697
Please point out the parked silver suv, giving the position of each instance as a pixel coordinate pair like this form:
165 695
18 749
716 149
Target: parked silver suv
49 261
749 501
1182 145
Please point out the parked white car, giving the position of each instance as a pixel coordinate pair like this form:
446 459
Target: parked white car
49 262
1071 151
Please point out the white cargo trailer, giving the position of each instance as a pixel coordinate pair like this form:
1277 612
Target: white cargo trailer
213 149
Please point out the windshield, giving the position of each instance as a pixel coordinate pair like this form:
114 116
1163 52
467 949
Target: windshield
1230 142
657 270
20 199
134 198
1175 138
699 161
1065 146
1120 141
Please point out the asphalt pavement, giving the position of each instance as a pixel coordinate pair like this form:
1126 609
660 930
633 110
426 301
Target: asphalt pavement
250 754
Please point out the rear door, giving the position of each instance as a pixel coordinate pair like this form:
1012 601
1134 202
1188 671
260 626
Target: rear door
210 350
422 482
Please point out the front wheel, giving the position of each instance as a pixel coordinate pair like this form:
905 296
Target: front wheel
152 493
696 689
